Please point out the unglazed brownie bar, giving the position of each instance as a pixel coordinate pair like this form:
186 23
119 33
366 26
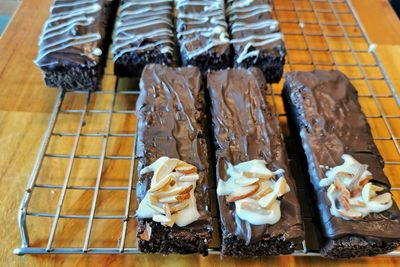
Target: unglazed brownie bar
202 35
172 190
256 37
143 35
74 43
358 214
259 209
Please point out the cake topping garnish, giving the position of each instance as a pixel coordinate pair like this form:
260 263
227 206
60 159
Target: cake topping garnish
351 193
170 199
255 191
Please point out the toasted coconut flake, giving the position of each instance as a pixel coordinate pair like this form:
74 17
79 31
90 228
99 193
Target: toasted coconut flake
146 235
281 186
267 201
182 197
357 176
186 190
161 183
262 191
189 178
246 181
245 192
383 199
365 180
369 191
344 201
164 169
341 188
259 175
185 168
179 206
171 192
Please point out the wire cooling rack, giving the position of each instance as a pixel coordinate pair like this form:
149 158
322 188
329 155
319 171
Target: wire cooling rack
80 197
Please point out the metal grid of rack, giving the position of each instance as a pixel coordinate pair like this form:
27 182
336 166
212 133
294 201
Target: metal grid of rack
80 197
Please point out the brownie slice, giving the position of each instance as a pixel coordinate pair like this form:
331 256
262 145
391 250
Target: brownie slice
202 34
172 123
245 130
143 35
324 107
74 43
256 37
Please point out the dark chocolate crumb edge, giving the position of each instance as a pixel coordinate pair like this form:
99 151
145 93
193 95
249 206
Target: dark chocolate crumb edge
356 246
167 240
269 246
132 64
84 78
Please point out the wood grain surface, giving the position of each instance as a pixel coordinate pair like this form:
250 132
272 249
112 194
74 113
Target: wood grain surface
25 108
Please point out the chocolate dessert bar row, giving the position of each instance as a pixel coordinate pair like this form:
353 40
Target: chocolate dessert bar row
255 36
357 212
74 43
259 209
143 35
174 171
201 31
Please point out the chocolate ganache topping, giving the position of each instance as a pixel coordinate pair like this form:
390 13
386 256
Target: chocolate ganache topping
73 34
332 129
171 123
245 130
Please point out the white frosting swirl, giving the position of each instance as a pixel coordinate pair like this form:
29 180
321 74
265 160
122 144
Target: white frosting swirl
170 198
254 189
64 23
199 24
351 194
137 15
239 11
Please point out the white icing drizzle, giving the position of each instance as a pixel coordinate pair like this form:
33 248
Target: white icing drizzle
240 10
350 199
164 196
138 14
77 13
254 189
212 13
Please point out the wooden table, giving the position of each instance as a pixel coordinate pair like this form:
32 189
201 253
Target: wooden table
25 108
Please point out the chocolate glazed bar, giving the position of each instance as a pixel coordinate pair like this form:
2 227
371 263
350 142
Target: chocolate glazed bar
173 215
74 43
256 38
202 33
143 35
358 214
259 209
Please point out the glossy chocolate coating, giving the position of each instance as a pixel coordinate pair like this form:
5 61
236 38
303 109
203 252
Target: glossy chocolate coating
77 52
245 129
325 107
171 122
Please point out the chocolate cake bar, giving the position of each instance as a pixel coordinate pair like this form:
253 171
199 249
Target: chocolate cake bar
74 43
357 212
143 35
248 140
256 38
172 123
202 33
